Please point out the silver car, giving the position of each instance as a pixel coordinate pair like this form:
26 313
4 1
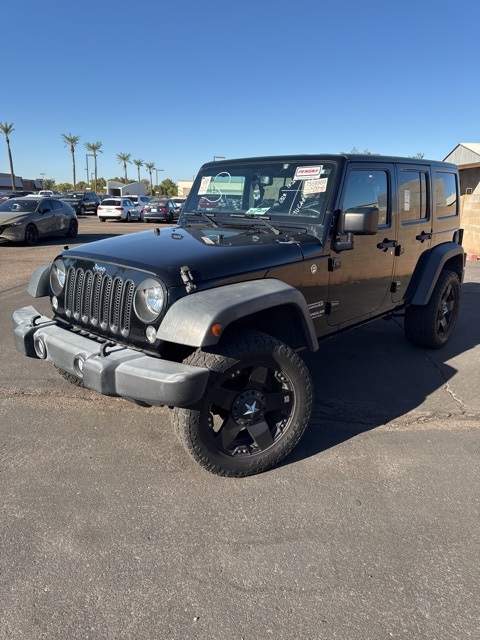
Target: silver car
29 218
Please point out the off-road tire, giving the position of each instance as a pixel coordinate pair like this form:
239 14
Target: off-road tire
432 325
249 370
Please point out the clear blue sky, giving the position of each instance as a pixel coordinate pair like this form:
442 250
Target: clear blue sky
178 82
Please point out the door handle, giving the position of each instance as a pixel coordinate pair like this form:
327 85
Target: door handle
423 236
386 244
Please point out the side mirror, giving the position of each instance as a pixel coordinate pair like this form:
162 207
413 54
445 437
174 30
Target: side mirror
358 221
361 221
45 210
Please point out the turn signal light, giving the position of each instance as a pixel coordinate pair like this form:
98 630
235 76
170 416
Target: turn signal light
216 329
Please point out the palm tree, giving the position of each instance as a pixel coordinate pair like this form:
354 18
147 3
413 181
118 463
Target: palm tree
94 148
72 142
150 166
7 129
123 158
139 164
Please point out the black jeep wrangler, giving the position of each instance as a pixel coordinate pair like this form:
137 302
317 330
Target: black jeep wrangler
270 255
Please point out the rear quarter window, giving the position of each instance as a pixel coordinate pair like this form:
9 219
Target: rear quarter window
446 194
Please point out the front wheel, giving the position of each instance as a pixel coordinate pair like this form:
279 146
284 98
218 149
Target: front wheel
72 228
82 210
432 325
31 235
255 410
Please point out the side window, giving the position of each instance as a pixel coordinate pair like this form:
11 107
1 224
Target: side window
446 194
368 188
56 205
412 195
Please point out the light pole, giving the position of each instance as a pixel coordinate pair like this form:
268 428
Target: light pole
43 180
86 157
156 175
219 157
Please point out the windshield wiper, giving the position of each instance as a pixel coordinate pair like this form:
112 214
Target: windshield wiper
251 216
205 216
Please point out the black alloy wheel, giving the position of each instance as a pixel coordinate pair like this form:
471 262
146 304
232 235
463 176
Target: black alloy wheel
31 235
72 228
255 410
432 325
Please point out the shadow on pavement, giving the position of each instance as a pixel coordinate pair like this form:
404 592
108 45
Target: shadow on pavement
372 375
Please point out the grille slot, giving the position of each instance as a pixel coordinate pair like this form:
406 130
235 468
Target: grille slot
98 300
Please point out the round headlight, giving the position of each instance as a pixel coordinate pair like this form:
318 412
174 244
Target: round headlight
149 300
154 299
57 276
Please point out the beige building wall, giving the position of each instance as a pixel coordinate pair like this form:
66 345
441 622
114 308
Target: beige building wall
470 220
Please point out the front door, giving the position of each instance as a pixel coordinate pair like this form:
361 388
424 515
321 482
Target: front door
359 284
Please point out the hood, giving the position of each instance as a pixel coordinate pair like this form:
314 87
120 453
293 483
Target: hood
209 253
7 217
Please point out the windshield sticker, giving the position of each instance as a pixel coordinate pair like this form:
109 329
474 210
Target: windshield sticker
299 205
308 173
315 186
204 185
258 211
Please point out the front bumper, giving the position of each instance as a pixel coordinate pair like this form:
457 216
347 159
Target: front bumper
107 368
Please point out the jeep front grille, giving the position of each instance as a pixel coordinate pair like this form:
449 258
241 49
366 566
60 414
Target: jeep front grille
99 301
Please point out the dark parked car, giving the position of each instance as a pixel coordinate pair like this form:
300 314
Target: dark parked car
30 218
209 317
82 201
161 210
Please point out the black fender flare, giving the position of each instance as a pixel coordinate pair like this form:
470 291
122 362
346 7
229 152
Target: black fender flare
39 284
190 319
437 258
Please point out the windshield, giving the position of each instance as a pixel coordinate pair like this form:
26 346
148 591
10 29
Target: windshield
73 196
19 206
279 190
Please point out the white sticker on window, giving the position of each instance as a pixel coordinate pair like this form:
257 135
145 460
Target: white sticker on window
308 173
315 186
406 203
204 185
257 211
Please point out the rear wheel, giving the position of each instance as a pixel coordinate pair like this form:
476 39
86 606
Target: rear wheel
432 325
256 407
129 217
102 219
31 235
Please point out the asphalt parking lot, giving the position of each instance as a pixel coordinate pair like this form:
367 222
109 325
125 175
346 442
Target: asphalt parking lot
370 530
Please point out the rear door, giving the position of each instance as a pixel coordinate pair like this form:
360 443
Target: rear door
414 225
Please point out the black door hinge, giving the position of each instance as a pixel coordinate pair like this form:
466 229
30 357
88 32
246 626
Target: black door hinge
331 307
334 264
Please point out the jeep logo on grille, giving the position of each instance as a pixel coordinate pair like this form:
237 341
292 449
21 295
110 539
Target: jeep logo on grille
99 269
